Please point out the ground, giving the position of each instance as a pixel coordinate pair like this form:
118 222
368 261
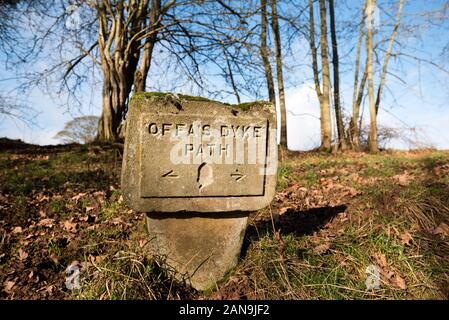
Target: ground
336 222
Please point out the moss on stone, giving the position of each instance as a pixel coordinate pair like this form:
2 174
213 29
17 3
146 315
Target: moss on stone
247 105
167 95
171 96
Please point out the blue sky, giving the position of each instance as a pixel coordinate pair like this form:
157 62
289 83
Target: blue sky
419 103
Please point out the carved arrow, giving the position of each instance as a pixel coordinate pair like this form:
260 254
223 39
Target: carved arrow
170 174
237 176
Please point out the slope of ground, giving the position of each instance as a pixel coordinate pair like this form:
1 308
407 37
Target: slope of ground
336 222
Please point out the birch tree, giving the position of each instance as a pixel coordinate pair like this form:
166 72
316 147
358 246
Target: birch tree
323 94
279 72
265 53
373 146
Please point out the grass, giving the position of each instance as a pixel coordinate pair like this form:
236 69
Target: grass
333 216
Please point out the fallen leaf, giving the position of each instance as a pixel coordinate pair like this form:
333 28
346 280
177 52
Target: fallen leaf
54 258
96 259
49 223
70 226
22 254
353 192
322 248
8 285
117 221
43 198
99 194
88 218
402 179
406 238
381 260
17 230
283 210
398 281
89 208
442 229
142 243
78 196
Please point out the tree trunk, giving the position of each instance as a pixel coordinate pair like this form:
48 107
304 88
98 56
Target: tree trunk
279 73
316 77
264 52
140 77
388 55
119 43
325 108
373 146
354 128
338 114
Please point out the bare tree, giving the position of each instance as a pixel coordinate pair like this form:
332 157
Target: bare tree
119 37
264 52
335 63
323 95
373 146
357 93
279 72
79 130
388 55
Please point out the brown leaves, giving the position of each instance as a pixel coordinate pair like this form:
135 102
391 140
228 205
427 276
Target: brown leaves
321 248
8 285
406 238
78 196
22 254
442 230
398 281
17 230
70 226
283 210
389 275
48 223
403 179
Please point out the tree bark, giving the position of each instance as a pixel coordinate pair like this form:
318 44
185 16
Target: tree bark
279 73
313 50
354 128
265 53
338 114
122 28
325 108
373 146
388 55
142 73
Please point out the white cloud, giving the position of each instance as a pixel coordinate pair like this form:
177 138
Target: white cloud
303 118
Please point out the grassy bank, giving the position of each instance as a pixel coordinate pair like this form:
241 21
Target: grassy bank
333 217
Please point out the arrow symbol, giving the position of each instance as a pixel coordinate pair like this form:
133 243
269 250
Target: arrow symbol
237 176
170 174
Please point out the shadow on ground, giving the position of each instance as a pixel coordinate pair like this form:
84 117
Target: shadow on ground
295 222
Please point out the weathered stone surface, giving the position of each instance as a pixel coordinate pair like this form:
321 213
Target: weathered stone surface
192 154
201 247
197 167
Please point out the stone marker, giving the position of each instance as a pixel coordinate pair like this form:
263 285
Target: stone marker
197 167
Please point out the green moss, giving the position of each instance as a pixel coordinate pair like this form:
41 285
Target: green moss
139 96
167 95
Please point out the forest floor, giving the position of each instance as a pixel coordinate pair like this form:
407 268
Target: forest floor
336 222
